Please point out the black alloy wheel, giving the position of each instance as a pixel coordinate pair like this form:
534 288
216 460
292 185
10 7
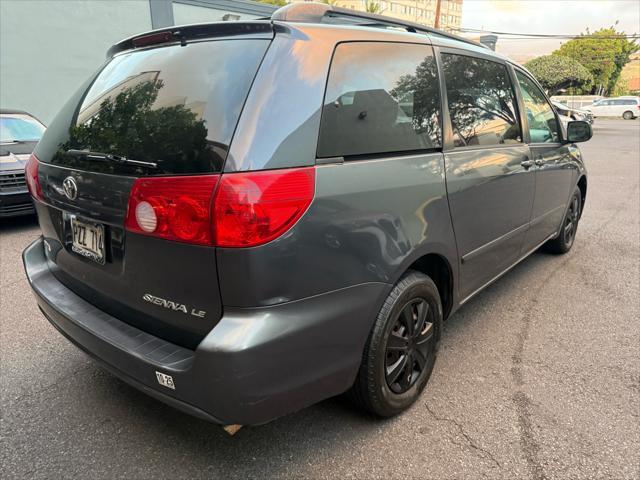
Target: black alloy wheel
410 347
571 221
401 350
567 231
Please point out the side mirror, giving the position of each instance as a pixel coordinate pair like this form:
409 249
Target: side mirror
579 131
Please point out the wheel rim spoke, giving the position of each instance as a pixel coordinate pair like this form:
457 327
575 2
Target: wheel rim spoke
397 343
568 228
409 320
405 379
426 335
423 311
421 359
394 371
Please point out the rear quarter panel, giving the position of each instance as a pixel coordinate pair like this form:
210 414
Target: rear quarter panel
368 222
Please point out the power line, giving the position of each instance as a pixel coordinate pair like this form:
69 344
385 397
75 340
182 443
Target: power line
633 36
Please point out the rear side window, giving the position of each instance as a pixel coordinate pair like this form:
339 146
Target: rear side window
380 98
481 101
543 126
176 106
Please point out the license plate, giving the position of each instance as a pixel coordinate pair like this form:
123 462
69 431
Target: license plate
88 240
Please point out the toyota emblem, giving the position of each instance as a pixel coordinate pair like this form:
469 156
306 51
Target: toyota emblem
70 188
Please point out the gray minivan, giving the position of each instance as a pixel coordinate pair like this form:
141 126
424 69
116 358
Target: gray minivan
244 218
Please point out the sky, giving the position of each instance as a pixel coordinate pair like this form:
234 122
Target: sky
547 17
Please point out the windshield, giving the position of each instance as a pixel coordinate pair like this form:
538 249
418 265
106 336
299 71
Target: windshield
19 128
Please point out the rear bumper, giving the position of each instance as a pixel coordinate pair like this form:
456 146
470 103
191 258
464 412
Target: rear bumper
254 366
13 204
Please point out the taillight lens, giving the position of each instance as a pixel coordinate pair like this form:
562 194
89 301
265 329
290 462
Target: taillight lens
253 208
249 208
175 208
31 175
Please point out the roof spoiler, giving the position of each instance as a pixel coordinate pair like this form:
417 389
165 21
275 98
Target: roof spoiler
184 33
312 12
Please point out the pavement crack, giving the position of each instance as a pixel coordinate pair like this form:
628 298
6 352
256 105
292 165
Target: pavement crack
484 453
57 383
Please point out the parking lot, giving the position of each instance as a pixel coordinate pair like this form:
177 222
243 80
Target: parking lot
538 377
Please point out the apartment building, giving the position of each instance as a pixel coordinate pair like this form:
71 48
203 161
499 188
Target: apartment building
419 11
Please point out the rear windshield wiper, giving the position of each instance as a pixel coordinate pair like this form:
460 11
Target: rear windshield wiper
108 157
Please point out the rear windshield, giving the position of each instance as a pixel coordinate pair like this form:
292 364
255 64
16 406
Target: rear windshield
175 107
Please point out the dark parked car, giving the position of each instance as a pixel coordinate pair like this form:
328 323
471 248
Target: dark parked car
19 134
242 219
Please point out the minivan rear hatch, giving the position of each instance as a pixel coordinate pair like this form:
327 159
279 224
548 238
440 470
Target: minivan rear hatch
154 115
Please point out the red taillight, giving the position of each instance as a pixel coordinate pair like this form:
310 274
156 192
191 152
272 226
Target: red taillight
31 174
253 208
249 209
175 208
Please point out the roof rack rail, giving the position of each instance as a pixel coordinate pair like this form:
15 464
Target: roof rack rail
312 12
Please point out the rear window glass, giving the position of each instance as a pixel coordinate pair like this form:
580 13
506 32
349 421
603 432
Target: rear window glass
380 98
174 106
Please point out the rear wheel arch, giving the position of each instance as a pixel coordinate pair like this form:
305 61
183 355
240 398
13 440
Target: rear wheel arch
436 267
582 185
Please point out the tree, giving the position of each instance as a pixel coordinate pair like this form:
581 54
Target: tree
130 125
555 73
604 53
621 88
278 3
372 7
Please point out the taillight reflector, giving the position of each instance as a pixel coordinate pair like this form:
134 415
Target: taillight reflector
31 175
175 208
253 208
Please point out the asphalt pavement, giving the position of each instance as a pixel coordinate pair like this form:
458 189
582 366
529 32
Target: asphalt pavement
538 377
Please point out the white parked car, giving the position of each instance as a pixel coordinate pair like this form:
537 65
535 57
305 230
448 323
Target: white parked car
625 107
568 114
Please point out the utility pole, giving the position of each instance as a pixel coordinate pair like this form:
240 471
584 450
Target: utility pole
437 24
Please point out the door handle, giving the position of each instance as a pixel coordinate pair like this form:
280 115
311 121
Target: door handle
539 161
527 164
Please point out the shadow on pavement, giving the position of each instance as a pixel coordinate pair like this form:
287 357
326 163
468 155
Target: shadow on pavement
18 224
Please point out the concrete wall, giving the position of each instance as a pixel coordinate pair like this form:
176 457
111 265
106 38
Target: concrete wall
184 14
48 48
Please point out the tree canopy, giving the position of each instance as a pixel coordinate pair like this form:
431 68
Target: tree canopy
555 73
604 53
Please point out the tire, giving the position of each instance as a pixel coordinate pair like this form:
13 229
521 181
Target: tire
628 115
375 390
569 227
